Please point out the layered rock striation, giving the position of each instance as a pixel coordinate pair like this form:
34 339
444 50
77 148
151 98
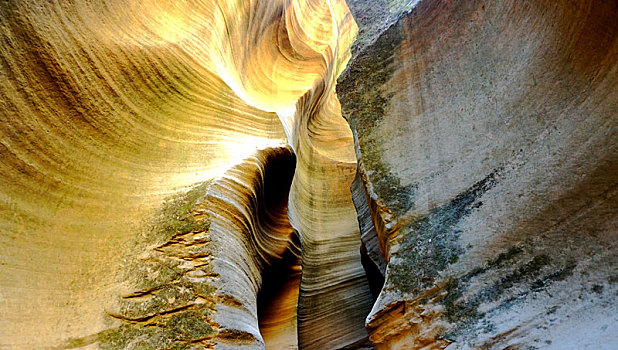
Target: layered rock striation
109 107
196 283
266 174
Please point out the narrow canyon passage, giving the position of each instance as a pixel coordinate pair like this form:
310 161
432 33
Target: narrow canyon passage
109 107
308 174
278 301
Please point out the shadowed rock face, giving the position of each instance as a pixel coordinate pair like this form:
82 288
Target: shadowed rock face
486 138
180 174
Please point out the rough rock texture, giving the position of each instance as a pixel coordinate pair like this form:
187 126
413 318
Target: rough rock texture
374 17
487 141
196 283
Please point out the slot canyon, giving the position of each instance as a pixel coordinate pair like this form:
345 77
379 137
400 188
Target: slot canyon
309 174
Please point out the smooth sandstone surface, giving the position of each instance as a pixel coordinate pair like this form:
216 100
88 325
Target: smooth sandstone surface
487 142
308 174
109 107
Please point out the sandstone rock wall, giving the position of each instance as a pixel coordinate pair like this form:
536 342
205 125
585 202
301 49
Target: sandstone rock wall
487 145
181 174
110 106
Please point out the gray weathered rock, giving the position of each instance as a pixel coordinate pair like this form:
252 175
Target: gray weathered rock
487 141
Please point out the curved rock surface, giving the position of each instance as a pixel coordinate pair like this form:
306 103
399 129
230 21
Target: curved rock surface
487 140
196 283
108 107
179 174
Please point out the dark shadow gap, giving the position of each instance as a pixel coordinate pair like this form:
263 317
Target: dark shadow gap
373 273
278 300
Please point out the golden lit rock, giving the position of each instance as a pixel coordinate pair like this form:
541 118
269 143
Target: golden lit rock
111 106
181 174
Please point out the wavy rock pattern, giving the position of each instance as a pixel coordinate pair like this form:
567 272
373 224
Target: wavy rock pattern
478 207
250 232
108 107
486 137
199 287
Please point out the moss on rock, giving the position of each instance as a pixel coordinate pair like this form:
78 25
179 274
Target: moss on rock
169 309
364 103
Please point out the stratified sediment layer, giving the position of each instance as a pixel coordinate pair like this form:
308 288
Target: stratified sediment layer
196 282
110 106
487 141
485 184
333 286
106 110
250 232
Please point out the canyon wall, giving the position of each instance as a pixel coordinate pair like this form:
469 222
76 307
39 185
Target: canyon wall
110 107
486 133
308 174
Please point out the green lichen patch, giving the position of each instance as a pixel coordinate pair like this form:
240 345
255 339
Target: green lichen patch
81 342
191 325
184 330
177 316
429 243
361 88
172 299
166 300
176 216
152 274
399 199
364 103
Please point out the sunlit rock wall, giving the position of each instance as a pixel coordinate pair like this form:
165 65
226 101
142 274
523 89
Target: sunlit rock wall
487 142
196 281
179 174
108 107
101 119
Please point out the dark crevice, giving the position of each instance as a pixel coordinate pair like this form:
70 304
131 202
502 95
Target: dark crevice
277 299
274 279
373 273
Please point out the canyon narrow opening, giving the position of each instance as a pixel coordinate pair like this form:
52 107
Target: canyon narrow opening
277 300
